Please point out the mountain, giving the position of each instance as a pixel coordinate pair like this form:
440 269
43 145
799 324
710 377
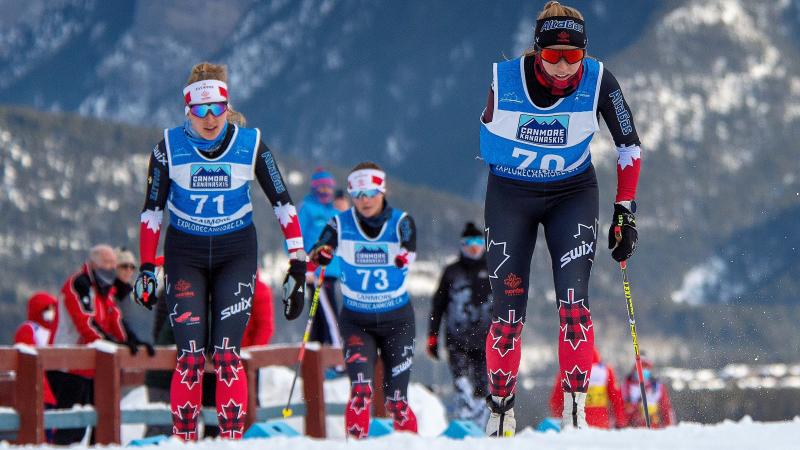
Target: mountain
342 81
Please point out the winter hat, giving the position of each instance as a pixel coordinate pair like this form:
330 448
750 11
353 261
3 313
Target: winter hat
322 177
39 302
125 256
471 230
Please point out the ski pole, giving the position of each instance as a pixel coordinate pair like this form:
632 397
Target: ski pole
623 266
287 411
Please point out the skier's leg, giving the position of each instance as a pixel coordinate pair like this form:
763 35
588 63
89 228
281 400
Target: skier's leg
360 355
511 226
332 311
477 372
571 229
460 370
397 351
325 329
233 287
187 301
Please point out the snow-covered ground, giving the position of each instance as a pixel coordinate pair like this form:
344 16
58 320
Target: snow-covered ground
729 435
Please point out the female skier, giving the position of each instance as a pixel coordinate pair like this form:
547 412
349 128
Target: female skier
201 172
376 244
540 116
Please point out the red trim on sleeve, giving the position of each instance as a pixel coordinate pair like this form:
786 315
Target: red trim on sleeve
148 244
627 180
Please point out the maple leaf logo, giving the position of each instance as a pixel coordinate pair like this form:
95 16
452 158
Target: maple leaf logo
563 37
152 219
512 281
627 155
285 213
182 285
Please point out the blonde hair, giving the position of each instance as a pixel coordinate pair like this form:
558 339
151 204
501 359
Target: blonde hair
209 71
553 9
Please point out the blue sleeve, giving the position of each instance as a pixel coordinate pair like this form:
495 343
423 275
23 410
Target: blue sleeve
306 225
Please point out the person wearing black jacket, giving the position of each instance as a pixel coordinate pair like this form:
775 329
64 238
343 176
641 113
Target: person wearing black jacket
464 297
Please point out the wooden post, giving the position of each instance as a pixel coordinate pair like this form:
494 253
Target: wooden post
314 394
378 396
29 398
252 393
107 397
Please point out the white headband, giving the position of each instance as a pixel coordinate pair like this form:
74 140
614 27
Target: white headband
365 180
204 91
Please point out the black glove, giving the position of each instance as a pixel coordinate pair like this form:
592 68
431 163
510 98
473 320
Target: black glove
322 255
294 288
622 234
134 342
144 290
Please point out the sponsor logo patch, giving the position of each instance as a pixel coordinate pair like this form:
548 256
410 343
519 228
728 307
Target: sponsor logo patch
513 282
184 289
372 254
543 130
211 176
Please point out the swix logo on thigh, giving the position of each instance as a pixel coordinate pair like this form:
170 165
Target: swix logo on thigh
236 308
245 294
588 236
585 249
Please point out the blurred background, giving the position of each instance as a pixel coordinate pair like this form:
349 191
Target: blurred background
714 86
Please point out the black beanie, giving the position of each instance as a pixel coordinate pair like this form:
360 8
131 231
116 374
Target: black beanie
471 230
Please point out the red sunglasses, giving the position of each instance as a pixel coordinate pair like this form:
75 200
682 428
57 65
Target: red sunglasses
571 55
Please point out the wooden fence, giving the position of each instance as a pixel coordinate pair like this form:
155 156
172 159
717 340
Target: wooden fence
22 372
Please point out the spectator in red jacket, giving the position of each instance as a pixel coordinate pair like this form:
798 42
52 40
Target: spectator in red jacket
38 330
603 397
87 312
262 318
659 404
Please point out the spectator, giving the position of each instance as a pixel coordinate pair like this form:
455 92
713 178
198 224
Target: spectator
659 404
88 312
602 400
315 212
340 201
39 329
464 296
136 317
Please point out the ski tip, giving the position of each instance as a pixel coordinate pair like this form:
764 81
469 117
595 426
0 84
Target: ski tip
287 412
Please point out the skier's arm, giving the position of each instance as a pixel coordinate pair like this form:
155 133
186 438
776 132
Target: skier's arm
488 112
329 237
269 177
408 242
440 299
617 115
158 184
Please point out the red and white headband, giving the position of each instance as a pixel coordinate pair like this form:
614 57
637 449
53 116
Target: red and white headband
365 180
204 91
